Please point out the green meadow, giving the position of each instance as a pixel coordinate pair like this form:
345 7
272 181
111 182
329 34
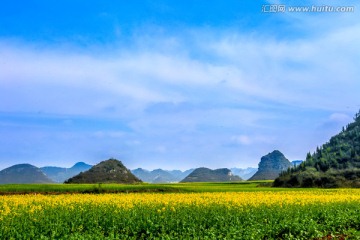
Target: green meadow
143 187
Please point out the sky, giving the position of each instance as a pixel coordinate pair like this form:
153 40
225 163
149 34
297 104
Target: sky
173 84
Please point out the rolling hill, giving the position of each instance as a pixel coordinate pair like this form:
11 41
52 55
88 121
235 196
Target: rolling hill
23 173
109 171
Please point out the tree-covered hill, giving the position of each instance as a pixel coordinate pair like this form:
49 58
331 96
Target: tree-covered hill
109 171
334 164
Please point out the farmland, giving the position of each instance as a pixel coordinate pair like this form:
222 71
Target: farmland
196 211
128 188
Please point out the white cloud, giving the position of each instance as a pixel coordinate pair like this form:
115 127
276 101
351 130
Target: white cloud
298 72
225 84
241 139
340 117
252 140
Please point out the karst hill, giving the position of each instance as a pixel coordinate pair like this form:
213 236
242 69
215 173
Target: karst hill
271 165
109 171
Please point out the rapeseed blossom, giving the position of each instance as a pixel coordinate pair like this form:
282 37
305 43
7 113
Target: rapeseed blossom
170 201
267 214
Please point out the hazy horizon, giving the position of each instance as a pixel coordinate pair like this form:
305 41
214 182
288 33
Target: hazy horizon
173 84
151 169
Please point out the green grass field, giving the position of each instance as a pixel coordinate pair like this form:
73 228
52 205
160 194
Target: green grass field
119 188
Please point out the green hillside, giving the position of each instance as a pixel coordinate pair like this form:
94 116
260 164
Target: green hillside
23 173
334 164
208 175
109 171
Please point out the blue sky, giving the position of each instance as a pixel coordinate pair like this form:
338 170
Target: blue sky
173 84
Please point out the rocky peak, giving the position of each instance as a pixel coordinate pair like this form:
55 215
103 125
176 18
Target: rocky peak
271 165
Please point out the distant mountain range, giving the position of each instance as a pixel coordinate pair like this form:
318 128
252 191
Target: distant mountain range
208 175
23 173
172 176
296 162
160 176
245 173
59 174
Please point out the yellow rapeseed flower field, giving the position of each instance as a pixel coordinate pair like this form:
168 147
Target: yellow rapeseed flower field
33 203
298 214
